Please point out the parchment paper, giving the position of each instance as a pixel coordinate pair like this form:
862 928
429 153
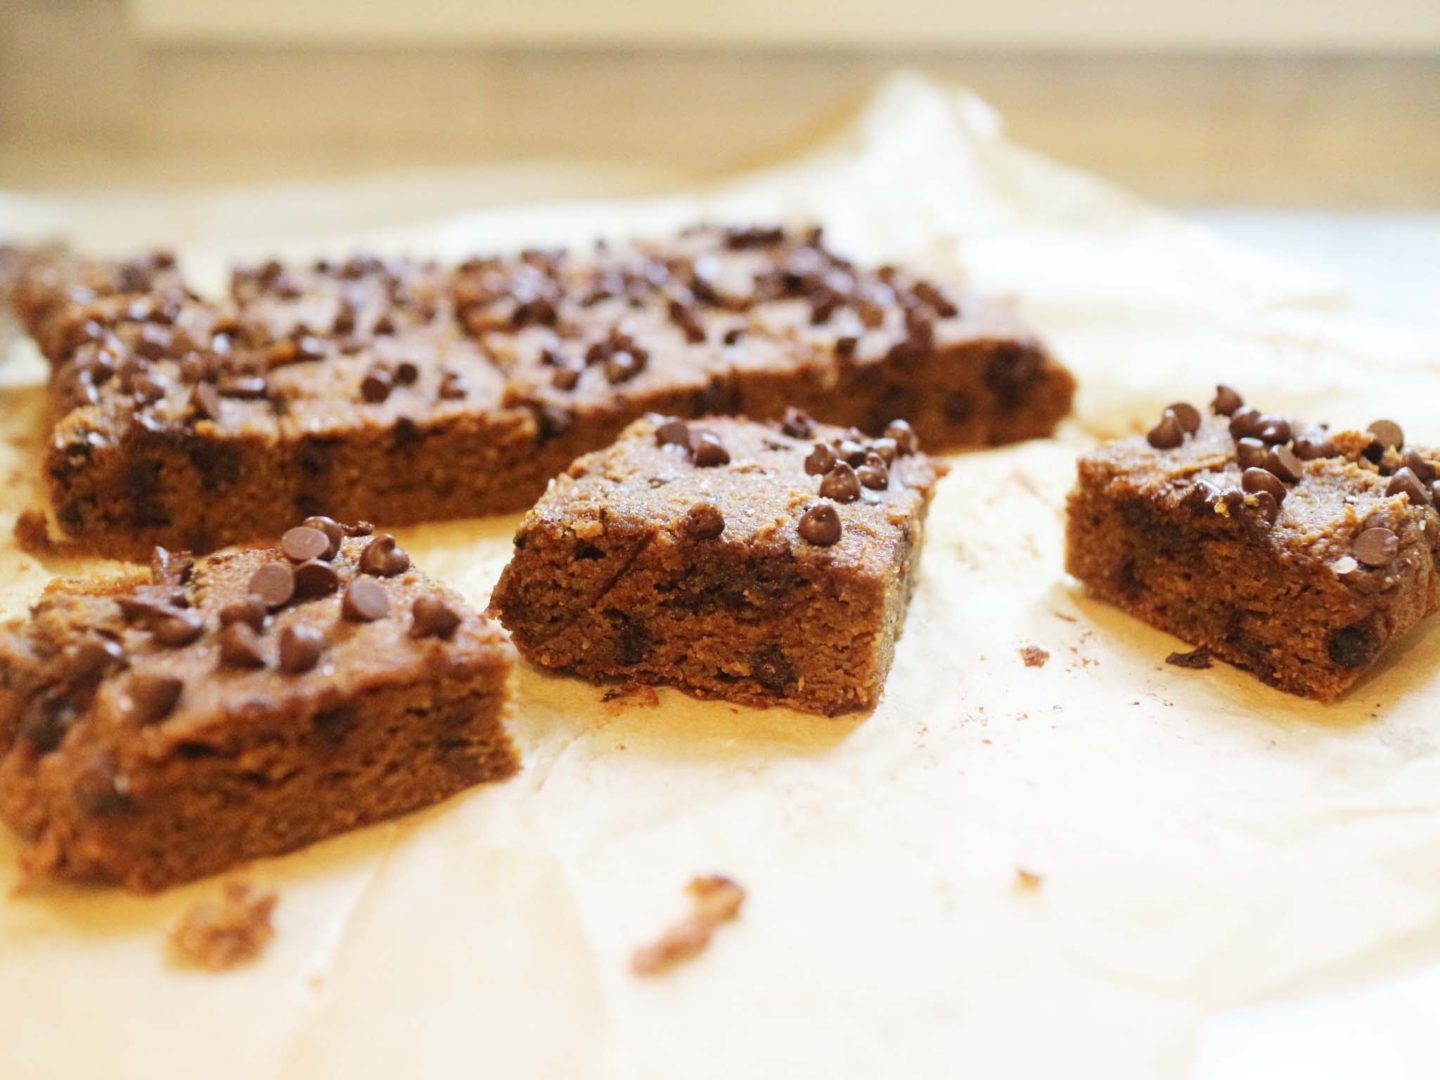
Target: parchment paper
1202 842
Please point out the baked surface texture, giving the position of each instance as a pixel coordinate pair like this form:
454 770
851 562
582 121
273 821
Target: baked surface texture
704 556
400 391
160 729
1293 552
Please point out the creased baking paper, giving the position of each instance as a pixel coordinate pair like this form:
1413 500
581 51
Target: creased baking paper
1202 842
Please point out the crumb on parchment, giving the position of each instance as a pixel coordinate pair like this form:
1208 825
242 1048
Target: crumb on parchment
225 931
1027 880
1034 656
716 899
1197 659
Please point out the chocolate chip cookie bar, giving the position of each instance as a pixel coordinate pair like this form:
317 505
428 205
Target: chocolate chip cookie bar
761 563
1291 551
158 729
404 391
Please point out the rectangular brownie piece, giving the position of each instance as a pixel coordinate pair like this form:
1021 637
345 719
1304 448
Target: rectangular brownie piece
1290 551
768 564
157 730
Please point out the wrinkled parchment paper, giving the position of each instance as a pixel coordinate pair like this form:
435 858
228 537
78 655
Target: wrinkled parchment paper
1202 842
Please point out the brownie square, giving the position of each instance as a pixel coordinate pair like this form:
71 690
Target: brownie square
761 563
158 730
1290 551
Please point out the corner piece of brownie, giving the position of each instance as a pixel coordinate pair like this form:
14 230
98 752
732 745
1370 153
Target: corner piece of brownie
1288 550
157 730
767 564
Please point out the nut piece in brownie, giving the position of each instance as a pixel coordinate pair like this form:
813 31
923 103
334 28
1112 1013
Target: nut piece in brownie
1286 549
242 705
769 564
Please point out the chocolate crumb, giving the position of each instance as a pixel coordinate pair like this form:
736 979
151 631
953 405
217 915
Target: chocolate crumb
1196 659
1034 656
226 931
716 900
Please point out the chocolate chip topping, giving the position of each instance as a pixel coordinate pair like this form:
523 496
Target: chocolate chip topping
797 423
673 433
178 627
274 584
873 475
452 386
1388 434
240 646
300 648
432 617
375 387
709 451
1281 461
820 460
302 543
704 521
1168 434
1251 453
1423 470
1187 415
315 578
1227 401
1406 483
1268 505
1376 547
841 483
1255 481
249 612
1314 445
906 441
1273 429
332 529
153 697
383 558
820 525
365 600
1245 421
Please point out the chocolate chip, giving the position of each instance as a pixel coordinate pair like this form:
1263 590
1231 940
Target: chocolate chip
332 529
249 612
820 460
709 451
365 601
205 401
383 558
300 648
273 583
149 602
432 617
906 441
1281 461
375 387
567 377
101 788
1187 415
1273 429
315 578
1251 453
1406 483
153 697
1423 470
94 657
1226 402
1168 434
622 365
240 646
178 627
168 569
797 423
1257 480
1388 433
673 433
1376 547
1314 445
873 475
851 450
841 483
1245 421
704 522
820 525
1267 505
733 335
772 670
452 385
406 372
1353 647
304 543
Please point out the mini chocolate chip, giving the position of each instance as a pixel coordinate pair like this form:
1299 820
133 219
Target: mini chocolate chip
673 433
733 335
178 627
101 788
432 617
240 646
383 558
841 483
365 600
1423 470
406 372
820 460
205 401
1281 461
332 530
1227 401
1314 445
315 578
710 451
622 365
1376 547
873 476
375 387
851 451
360 528
273 583
249 611
153 697
168 569
1168 434
1256 480
1245 421
1389 434
1273 429
885 449
704 522
1187 415
567 377
452 386
304 543
797 423
1251 453
820 525
906 441
1406 483
1268 505
95 656
300 648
